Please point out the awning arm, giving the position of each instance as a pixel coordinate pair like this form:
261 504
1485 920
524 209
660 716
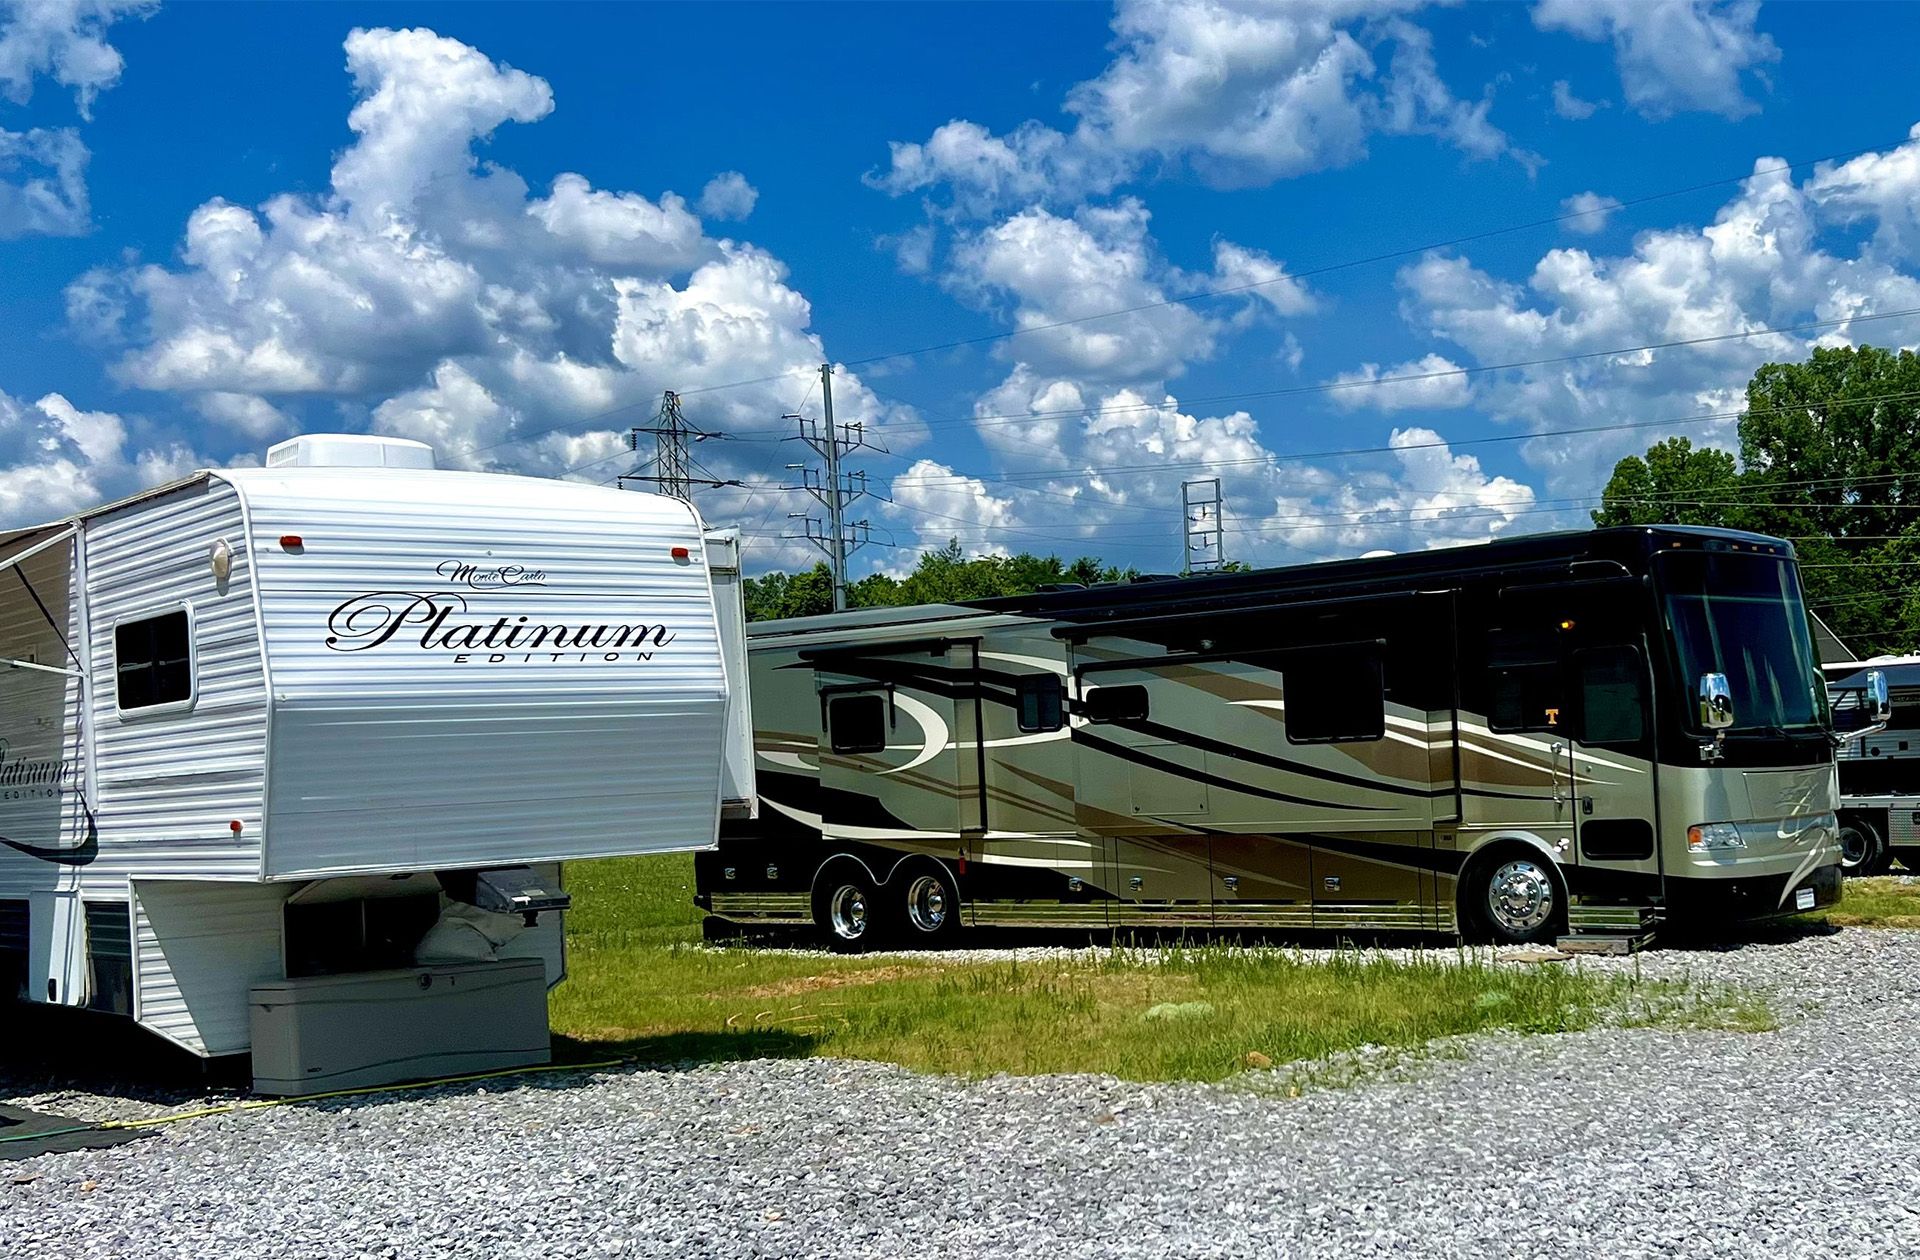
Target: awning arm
44 669
38 547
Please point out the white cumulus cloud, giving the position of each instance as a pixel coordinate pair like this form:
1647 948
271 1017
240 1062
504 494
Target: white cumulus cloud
1674 56
1241 92
1588 212
728 195
1431 382
43 188
430 294
64 40
1765 262
1568 104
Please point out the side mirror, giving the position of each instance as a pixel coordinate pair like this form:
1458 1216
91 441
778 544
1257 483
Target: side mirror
1716 702
1879 703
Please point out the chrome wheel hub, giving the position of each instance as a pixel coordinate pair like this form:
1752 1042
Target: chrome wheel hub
1853 846
847 912
927 904
1520 896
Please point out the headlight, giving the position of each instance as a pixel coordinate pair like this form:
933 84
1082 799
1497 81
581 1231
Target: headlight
1704 836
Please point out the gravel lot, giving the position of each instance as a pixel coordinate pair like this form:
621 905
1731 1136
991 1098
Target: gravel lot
1620 1143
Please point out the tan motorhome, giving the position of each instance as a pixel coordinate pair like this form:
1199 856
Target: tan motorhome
1606 729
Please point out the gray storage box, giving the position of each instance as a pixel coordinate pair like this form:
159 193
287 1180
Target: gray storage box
319 1033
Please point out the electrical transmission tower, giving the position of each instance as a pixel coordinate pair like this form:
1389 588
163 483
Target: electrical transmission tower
834 490
674 468
1203 508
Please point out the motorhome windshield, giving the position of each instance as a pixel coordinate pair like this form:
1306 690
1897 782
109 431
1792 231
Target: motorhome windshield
1742 616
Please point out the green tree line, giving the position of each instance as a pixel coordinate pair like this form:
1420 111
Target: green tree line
1830 460
943 576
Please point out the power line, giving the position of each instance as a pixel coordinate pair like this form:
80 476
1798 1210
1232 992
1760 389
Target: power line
1326 387
1341 452
1505 508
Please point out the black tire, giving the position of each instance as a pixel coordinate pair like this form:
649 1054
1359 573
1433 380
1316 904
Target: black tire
926 902
1513 897
1863 850
847 910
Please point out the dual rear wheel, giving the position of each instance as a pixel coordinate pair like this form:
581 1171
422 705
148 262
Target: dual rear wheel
1863 850
918 908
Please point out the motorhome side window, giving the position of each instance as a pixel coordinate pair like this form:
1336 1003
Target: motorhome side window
1042 703
1525 682
153 661
857 724
1334 695
1612 696
1126 703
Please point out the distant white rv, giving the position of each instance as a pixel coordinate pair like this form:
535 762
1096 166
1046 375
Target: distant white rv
281 745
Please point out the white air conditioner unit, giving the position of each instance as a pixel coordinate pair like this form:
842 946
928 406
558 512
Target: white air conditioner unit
349 450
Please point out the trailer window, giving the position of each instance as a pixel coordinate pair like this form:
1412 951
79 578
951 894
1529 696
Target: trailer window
153 661
1117 704
1042 703
857 724
1335 695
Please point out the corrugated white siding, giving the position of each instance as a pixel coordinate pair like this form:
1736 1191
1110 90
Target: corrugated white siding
198 947
422 719
168 784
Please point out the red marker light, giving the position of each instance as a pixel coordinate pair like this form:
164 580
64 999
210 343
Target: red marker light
681 553
235 825
292 542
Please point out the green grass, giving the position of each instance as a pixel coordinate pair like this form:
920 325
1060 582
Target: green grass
642 985
1877 903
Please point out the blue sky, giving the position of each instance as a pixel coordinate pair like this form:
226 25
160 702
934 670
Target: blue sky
505 229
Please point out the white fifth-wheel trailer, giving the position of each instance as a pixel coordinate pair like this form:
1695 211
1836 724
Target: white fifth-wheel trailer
290 756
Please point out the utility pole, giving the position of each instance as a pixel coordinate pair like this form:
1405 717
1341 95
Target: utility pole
674 465
1203 508
835 503
836 491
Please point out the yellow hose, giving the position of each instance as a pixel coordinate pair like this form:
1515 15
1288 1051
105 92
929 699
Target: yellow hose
255 1104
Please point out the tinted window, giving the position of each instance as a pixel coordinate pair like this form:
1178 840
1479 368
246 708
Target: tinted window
152 661
1117 704
1612 703
1526 686
1526 697
1741 616
857 724
1041 703
1334 695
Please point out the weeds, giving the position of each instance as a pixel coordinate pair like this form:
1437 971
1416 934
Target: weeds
1187 1012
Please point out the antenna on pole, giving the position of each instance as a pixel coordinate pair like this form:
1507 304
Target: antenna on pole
835 491
673 462
1204 509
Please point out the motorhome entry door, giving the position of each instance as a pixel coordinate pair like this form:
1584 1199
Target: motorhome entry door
899 745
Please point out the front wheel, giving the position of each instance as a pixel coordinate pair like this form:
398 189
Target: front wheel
848 913
1514 900
1862 850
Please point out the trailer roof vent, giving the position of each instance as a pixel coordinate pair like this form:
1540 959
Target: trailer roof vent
349 450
